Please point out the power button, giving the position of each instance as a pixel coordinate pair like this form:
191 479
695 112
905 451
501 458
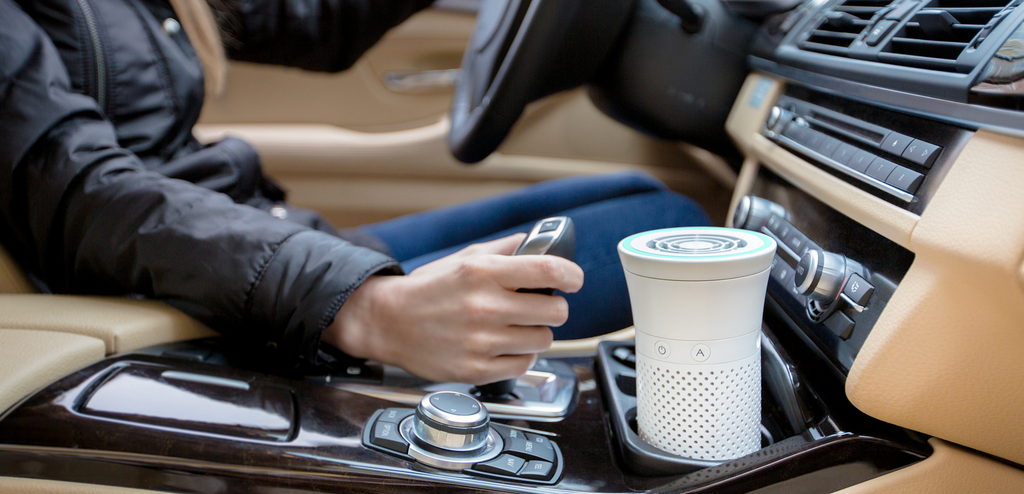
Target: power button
662 350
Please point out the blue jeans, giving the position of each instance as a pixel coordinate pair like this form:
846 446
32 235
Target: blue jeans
604 208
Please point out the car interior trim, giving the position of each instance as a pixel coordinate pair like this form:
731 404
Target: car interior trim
12 278
586 346
39 486
949 341
31 360
953 112
122 324
950 469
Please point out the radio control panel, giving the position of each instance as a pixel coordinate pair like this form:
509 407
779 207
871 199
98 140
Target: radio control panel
899 158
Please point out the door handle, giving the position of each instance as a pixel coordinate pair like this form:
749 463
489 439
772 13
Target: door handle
419 82
463 6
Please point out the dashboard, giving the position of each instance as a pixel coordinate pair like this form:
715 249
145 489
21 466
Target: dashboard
879 137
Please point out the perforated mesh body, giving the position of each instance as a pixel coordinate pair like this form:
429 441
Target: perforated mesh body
707 412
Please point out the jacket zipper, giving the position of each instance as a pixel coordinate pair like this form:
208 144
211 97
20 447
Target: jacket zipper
97 52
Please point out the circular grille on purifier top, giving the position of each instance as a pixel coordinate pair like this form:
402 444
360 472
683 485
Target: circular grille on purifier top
697 254
696 244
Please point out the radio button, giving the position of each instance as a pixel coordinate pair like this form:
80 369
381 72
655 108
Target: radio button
845 153
905 179
827 145
895 143
922 153
861 161
881 168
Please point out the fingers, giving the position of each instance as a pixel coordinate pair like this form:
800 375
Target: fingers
512 340
503 246
517 272
501 368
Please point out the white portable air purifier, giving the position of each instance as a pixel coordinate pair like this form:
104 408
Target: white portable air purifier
698 299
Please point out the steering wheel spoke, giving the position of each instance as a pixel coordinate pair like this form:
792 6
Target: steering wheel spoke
521 51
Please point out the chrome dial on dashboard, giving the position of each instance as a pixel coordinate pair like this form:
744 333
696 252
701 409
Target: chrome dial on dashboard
820 275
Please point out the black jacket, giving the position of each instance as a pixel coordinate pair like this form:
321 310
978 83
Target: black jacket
103 189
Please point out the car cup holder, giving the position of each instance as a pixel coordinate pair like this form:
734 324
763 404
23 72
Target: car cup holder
786 409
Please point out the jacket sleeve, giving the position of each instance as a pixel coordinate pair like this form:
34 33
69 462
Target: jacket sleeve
87 218
321 35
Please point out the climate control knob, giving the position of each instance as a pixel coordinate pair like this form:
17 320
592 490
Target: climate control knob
820 275
451 421
753 212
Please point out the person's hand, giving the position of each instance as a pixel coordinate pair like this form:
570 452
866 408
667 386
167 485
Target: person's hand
459 318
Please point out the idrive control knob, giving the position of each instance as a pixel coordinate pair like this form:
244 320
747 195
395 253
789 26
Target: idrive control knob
820 275
451 421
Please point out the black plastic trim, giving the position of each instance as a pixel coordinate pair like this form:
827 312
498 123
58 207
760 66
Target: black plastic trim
974 117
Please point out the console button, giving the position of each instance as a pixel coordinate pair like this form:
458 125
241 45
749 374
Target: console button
827 145
502 465
508 434
386 435
774 223
881 168
539 440
845 153
922 153
811 139
797 242
537 470
858 290
861 161
395 415
782 273
879 32
784 229
530 450
905 179
840 324
896 143
794 131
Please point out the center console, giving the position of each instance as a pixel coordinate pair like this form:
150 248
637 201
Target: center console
182 417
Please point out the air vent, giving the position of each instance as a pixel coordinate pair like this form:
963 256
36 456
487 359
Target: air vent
936 35
840 27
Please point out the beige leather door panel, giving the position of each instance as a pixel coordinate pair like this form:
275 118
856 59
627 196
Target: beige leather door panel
357 98
361 150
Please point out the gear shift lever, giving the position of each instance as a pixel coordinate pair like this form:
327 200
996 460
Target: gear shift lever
550 236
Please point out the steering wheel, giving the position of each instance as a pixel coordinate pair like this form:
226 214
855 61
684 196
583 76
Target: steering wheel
521 51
